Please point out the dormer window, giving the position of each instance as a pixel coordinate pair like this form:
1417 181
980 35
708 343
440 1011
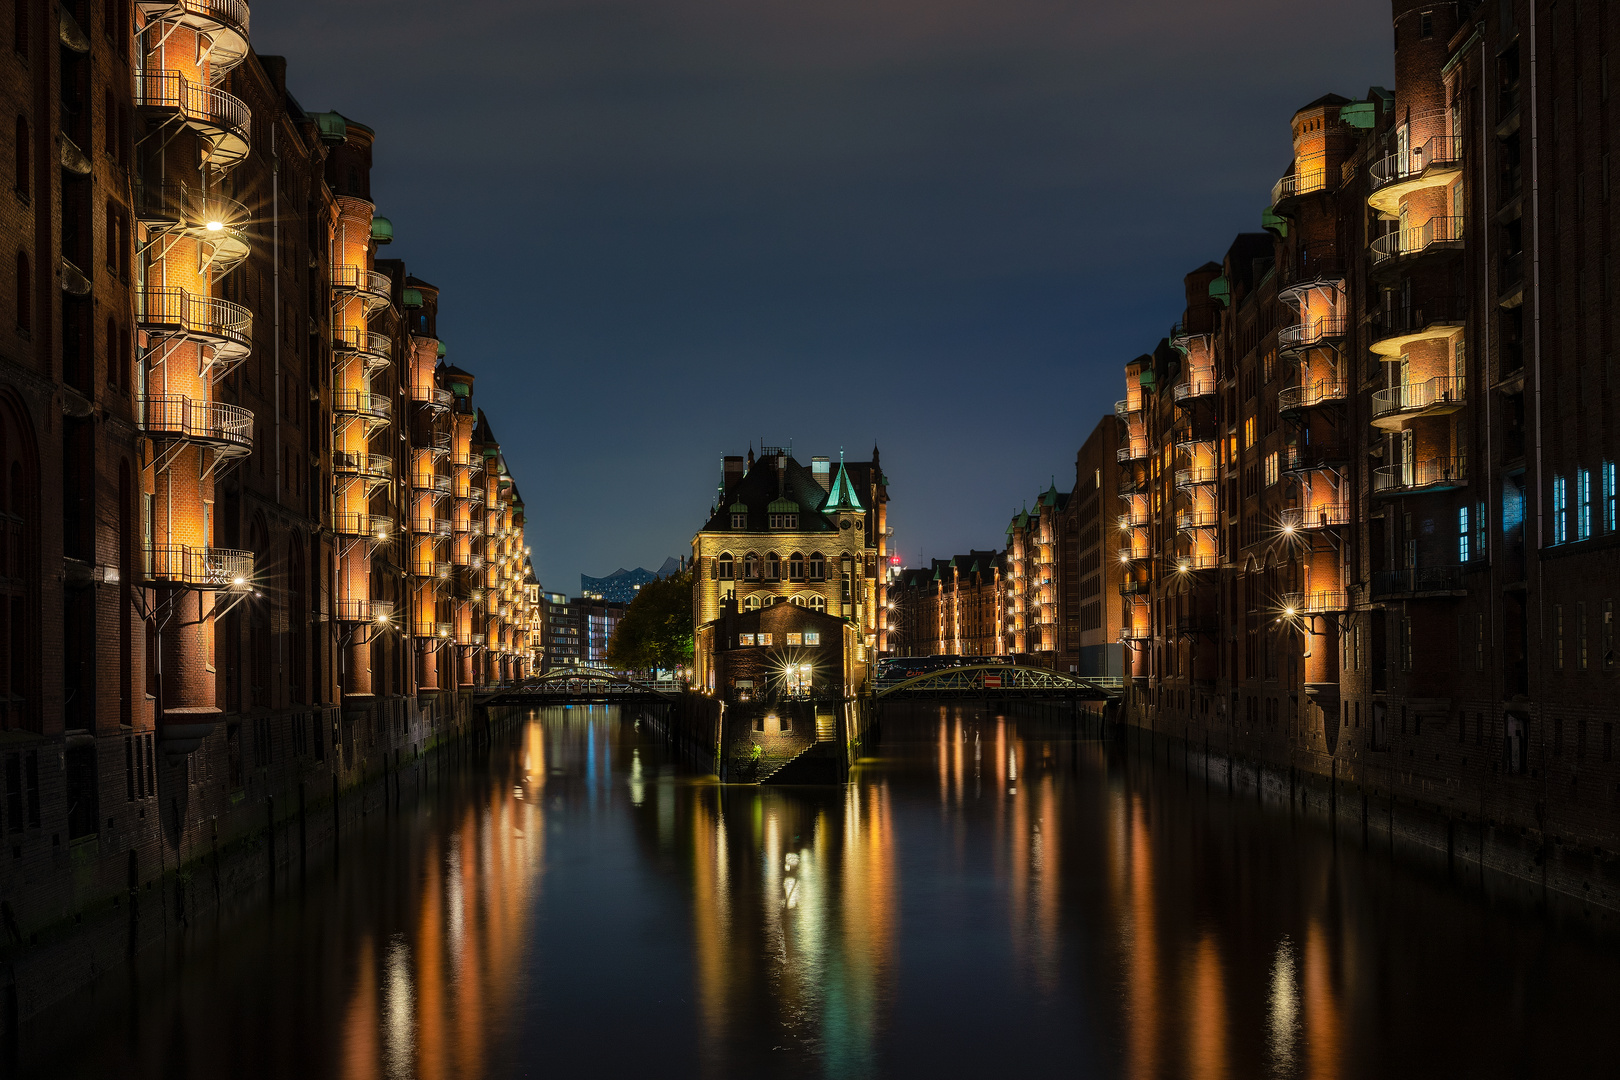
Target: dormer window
739 521
784 521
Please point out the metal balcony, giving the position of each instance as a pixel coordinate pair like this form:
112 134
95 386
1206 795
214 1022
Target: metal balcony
1196 475
434 482
223 22
363 611
377 350
372 466
1393 407
1192 388
206 568
221 120
1135 553
1312 518
1135 588
226 427
1314 602
1295 185
1292 399
1397 176
169 208
1195 560
435 527
1191 520
1308 335
1392 332
1421 477
1134 450
377 527
373 408
1135 633
435 398
226 327
374 290
1122 409
1438 235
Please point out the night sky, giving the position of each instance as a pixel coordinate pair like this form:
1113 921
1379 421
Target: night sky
664 229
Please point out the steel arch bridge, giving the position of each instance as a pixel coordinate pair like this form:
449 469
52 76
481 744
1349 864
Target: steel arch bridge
1011 681
567 685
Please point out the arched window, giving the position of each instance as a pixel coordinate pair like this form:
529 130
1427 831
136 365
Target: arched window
818 567
773 567
796 599
751 567
725 568
25 295
796 566
20 176
818 603
751 602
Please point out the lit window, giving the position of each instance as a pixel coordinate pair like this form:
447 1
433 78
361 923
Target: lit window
1609 508
813 637
1583 504
817 603
745 639
1271 469
796 566
764 639
1463 535
795 639
773 567
1560 511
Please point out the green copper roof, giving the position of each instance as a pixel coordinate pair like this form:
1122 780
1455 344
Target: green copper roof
782 506
739 508
1360 114
332 126
412 298
1051 496
1220 290
382 230
441 350
460 389
1274 223
842 496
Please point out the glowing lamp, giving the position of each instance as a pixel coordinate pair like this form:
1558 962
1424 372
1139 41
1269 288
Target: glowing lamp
215 226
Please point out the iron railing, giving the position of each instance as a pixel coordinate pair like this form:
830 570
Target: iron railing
199 567
1320 516
170 311
376 348
179 417
1398 167
1314 602
1417 240
1298 183
359 281
376 466
1416 318
361 403
1417 579
1195 386
1195 475
1309 334
376 526
1415 397
1319 392
1438 472
363 610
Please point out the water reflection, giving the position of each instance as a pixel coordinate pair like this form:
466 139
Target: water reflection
989 893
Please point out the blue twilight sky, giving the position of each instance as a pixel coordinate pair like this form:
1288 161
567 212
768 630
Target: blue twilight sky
664 228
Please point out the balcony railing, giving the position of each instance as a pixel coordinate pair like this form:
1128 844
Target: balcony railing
1310 518
217 220
1134 633
1197 560
1442 150
224 21
1444 393
220 118
1315 602
1320 392
1188 520
1122 408
1135 553
425 526
437 397
1134 588
372 407
1433 474
1195 475
199 567
377 527
376 466
1417 579
377 349
1299 183
1132 451
1193 387
1310 334
362 611
227 326
431 482
374 288
1434 316
179 417
1438 232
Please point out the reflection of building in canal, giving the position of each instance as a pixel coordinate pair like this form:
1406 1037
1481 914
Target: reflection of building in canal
425 1002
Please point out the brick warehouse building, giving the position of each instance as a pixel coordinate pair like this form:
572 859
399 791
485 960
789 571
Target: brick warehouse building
222 420
1368 497
952 607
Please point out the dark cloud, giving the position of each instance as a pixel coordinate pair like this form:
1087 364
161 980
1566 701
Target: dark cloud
663 229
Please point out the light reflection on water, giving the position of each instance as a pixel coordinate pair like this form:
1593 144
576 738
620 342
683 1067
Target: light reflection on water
988 893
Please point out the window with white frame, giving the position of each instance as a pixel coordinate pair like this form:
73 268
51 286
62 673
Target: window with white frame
818 603
725 566
745 639
773 567
812 637
818 566
751 567
739 521
784 521
1560 510
1583 504
1464 535
1610 509
764 639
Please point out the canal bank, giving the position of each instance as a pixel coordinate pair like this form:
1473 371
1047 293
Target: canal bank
217 843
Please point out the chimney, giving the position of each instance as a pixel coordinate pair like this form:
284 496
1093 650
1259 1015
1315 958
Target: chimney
821 469
781 475
732 469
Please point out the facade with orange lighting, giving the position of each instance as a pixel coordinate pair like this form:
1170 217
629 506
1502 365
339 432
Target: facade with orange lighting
954 607
222 422
1367 485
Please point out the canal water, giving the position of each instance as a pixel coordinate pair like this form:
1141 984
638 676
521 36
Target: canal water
990 895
